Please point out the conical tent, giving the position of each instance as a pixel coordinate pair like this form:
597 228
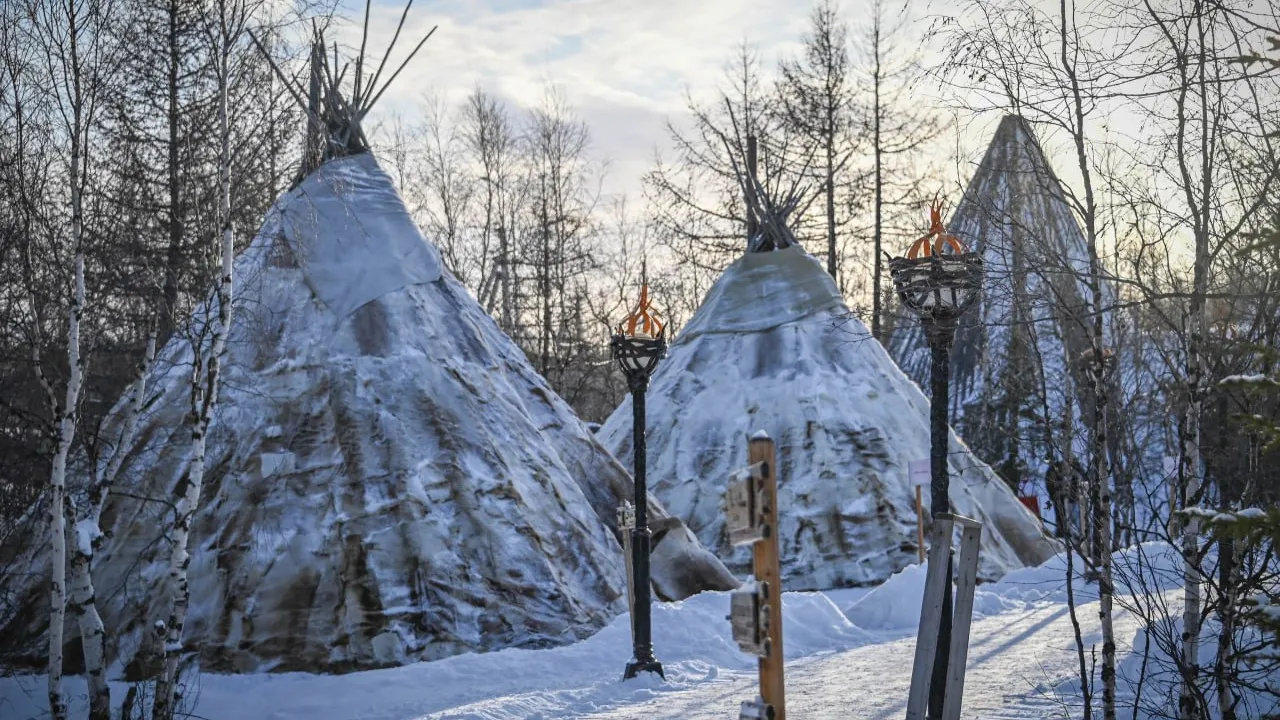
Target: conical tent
1033 312
388 478
774 347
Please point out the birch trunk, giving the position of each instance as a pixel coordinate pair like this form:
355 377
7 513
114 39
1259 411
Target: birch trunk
1191 527
1191 459
1100 450
204 384
67 416
58 476
88 536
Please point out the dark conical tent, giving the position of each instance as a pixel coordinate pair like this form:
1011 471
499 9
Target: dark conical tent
774 347
1033 311
388 478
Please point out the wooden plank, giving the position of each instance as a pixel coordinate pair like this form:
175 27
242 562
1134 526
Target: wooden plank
966 581
766 567
930 617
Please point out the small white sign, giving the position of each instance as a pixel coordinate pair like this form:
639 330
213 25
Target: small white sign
920 471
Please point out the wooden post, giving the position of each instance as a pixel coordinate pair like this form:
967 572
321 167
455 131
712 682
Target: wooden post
966 581
920 524
766 569
627 523
930 617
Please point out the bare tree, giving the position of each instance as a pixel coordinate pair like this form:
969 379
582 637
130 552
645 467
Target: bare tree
816 95
899 130
492 143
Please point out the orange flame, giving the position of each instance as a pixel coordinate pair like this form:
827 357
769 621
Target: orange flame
644 318
937 237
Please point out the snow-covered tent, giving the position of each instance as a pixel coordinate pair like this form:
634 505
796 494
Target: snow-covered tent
388 478
774 347
1033 311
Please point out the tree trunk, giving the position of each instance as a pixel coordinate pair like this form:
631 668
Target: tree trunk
67 416
88 534
833 264
1192 467
204 391
1227 579
173 258
878 234
1100 448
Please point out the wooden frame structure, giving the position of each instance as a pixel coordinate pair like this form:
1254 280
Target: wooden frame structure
931 615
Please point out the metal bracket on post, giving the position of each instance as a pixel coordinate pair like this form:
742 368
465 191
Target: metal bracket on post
756 709
749 618
931 615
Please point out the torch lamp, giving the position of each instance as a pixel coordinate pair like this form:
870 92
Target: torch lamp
938 280
638 345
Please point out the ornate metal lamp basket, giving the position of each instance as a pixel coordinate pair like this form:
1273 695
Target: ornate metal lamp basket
640 341
939 278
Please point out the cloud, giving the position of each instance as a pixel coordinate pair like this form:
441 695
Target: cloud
623 64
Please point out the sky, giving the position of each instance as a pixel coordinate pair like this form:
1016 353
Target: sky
625 65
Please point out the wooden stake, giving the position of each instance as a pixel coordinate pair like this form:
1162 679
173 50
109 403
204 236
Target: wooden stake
919 524
935 580
766 568
966 582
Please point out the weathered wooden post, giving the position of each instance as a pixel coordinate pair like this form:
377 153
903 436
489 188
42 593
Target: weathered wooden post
931 616
755 611
627 523
919 471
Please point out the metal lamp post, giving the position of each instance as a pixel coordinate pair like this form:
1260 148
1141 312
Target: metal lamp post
939 286
638 345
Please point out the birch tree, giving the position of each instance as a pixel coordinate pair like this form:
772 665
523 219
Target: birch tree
228 25
75 52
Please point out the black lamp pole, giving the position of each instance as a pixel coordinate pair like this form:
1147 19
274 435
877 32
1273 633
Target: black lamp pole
939 288
939 335
638 356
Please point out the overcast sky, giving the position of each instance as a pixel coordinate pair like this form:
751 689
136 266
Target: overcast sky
625 65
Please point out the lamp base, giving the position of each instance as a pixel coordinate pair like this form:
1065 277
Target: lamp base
635 667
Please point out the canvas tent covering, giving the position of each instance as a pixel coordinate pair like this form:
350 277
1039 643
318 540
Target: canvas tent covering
388 478
774 347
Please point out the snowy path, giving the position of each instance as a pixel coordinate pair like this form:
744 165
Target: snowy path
1013 658
1021 647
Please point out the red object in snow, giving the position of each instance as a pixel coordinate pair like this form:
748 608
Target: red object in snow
1033 504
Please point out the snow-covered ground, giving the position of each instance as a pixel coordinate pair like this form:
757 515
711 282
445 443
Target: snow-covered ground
849 655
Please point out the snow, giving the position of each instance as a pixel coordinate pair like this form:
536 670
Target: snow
1021 665
1256 379
774 348
86 531
348 209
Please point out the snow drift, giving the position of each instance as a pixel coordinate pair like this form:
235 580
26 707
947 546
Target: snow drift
774 347
388 478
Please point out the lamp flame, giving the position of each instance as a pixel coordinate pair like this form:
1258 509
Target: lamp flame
643 321
933 241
